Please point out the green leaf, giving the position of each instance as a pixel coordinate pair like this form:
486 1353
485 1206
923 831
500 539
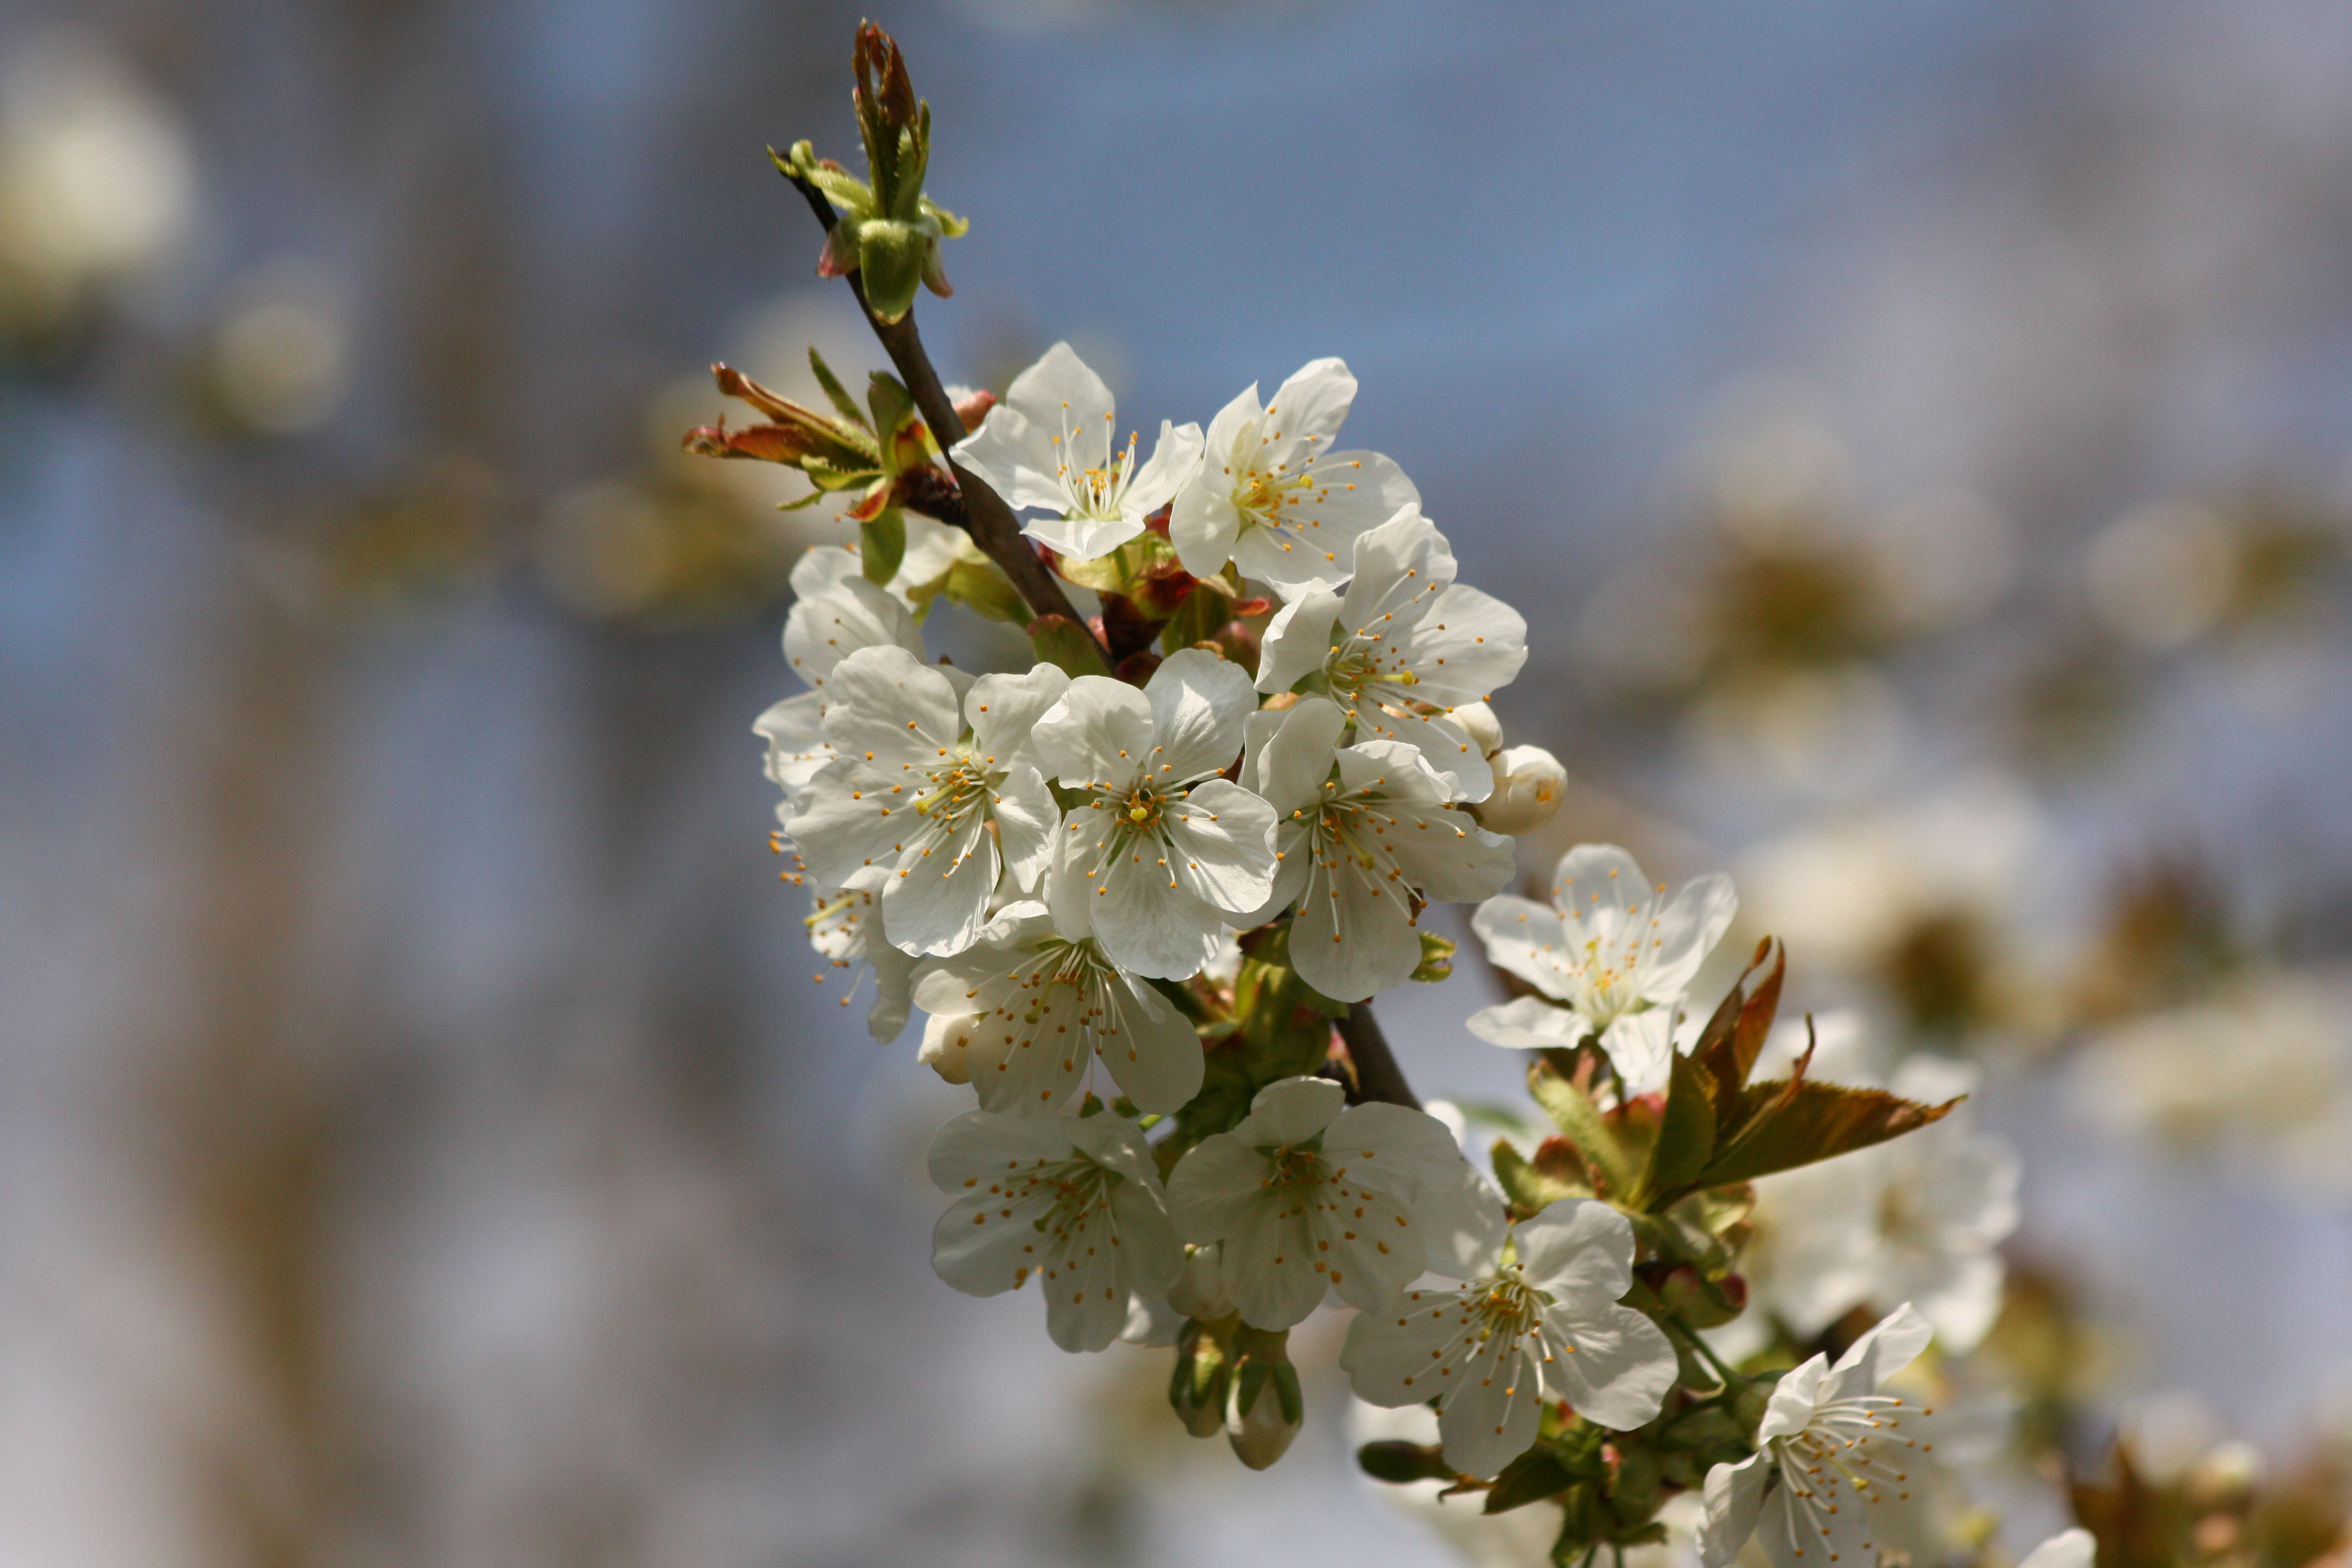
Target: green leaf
1531 1478
893 407
1533 1185
1060 641
834 393
1574 1113
1726 1047
881 546
1202 616
1685 1141
1801 1122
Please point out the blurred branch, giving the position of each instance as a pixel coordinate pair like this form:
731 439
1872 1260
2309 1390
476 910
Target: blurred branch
1378 1077
984 513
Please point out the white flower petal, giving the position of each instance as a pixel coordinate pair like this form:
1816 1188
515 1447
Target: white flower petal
1151 1050
1297 639
1199 702
1528 1024
826 628
1220 838
797 747
936 899
1003 710
1688 931
1061 386
1307 409
1290 1111
1612 1364
1491 1417
1175 459
1016 457
886 707
1577 1247
1097 734
1291 766
1734 1495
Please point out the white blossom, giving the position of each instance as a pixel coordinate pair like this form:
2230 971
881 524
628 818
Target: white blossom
1834 1461
1529 785
1051 446
915 806
1363 836
836 613
1158 854
1917 1219
1612 953
844 925
1308 1192
1405 643
1274 497
1072 1200
1043 1006
1538 1319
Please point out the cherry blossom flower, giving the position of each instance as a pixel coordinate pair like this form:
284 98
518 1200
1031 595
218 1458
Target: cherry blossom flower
1041 1007
1405 643
1274 497
1538 1319
836 612
1364 837
1611 952
1158 854
1052 447
913 805
1308 1192
844 926
1072 1200
1834 1460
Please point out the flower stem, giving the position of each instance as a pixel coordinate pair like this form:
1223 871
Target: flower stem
1378 1077
986 516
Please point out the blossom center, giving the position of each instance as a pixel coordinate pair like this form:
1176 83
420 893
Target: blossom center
1094 491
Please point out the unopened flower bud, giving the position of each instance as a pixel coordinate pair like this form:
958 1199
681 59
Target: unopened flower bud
1200 1290
1477 720
1400 1462
1529 783
947 1045
1701 1304
1267 1406
971 407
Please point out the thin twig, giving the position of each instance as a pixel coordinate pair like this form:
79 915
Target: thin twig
986 518
1378 1077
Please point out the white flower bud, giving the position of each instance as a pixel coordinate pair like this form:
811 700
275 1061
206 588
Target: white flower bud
947 1045
1529 783
1261 1433
1478 721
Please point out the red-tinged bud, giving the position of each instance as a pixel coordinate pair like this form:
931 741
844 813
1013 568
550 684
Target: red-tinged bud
974 406
1158 521
1252 606
1690 1296
876 54
1136 667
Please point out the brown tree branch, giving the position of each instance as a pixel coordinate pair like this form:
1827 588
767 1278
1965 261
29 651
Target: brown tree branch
1378 1076
985 517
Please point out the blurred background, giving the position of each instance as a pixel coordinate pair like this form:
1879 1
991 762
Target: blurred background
1919 436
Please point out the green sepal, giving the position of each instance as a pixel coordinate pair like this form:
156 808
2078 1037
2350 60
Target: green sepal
1202 616
1573 1112
891 264
882 545
1061 641
1533 1185
1113 573
1436 959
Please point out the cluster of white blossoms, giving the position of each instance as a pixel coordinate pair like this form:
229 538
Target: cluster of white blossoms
1137 909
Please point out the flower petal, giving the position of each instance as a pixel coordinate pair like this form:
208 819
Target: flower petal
1528 1024
1199 702
1612 1364
1003 710
1097 736
1151 1050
